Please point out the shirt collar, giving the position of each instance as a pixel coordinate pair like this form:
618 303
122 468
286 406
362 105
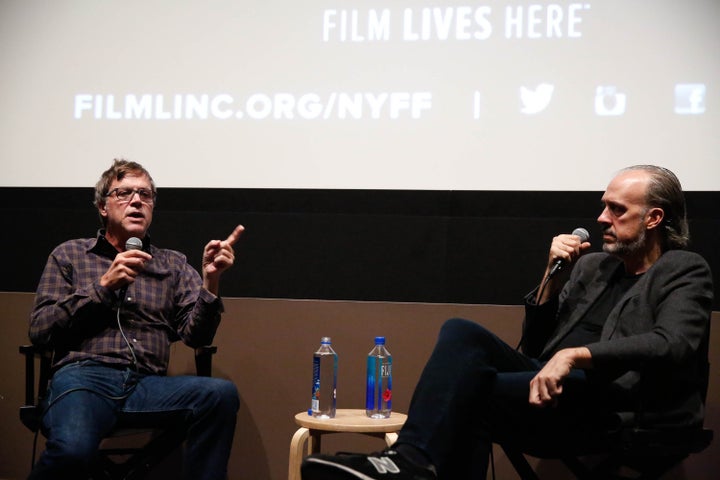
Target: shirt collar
105 248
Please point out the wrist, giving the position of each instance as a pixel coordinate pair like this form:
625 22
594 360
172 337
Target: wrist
579 357
211 284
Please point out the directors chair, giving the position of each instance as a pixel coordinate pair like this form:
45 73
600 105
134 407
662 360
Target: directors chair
151 440
631 449
634 452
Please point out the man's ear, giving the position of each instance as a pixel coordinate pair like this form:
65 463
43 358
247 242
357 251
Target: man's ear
654 217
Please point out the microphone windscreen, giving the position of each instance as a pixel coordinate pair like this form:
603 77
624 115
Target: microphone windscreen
134 243
580 232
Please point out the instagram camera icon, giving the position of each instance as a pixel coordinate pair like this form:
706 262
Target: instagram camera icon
609 101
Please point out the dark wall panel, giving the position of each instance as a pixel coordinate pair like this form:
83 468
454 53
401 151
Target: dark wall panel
460 247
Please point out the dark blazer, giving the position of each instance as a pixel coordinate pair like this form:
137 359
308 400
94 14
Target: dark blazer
652 355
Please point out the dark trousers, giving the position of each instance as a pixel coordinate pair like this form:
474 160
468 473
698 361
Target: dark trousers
474 391
86 398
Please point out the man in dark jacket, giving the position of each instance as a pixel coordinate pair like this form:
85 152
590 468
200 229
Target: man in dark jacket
603 333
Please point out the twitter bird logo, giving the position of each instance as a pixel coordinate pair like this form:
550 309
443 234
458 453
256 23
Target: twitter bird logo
537 100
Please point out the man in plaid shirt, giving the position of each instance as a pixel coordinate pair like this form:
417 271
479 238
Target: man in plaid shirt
110 307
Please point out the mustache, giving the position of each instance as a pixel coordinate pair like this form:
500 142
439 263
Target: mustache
611 234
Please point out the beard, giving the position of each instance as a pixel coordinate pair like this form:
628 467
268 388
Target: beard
625 249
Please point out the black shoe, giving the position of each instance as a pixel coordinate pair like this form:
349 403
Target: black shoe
386 465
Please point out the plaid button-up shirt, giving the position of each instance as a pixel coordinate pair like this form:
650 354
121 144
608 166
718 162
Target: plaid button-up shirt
78 318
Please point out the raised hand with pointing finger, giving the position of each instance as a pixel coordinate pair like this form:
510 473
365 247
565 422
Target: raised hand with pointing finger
218 256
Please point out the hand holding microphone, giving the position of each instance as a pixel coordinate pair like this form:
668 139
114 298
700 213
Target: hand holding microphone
566 248
125 267
132 243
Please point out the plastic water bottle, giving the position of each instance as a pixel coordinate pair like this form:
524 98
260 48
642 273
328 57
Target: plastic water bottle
324 387
378 398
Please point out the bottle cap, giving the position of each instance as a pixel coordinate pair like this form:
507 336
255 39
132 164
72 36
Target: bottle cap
379 340
325 340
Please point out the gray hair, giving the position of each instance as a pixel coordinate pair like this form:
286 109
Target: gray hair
664 191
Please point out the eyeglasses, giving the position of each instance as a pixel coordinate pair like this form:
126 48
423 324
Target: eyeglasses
124 195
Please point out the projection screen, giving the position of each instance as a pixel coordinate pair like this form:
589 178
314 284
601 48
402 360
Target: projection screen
351 94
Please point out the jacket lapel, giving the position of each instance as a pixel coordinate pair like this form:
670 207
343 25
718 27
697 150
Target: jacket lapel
597 282
614 317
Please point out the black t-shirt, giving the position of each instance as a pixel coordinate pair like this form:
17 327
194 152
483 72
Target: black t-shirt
589 328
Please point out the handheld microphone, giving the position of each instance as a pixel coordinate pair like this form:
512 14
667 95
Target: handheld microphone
132 243
584 237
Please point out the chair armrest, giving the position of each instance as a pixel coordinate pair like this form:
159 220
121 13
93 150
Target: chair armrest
30 412
203 360
44 354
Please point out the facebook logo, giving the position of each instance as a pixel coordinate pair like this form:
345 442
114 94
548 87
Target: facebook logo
690 98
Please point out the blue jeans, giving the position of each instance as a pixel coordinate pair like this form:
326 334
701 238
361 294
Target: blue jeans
86 398
474 392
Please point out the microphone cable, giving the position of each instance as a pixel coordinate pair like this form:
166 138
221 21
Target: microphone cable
122 333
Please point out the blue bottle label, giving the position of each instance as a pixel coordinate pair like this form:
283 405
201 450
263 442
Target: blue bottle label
378 394
315 399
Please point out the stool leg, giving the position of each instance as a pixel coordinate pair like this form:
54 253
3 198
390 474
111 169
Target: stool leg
296 453
391 438
315 441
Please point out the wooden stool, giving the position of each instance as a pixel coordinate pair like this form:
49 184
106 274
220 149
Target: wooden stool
346 420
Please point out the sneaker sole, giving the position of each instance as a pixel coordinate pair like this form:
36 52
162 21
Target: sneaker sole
352 473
